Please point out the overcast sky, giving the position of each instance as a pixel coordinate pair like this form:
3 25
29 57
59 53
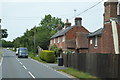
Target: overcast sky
19 15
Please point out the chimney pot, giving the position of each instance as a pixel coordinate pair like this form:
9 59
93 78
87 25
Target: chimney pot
67 24
78 21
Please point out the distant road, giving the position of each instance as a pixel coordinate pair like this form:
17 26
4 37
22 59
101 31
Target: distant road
13 67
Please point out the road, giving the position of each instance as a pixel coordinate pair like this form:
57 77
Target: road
13 67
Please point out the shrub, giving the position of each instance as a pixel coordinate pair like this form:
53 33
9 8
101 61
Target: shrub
48 56
53 47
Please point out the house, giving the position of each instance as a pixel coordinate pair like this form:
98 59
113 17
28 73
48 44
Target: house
66 38
107 39
104 40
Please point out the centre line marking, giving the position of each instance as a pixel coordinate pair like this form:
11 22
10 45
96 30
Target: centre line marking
24 67
20 63
31 74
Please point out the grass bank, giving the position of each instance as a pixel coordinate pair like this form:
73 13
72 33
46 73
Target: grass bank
78 74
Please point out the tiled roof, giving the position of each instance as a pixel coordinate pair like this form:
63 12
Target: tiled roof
62 32
96 33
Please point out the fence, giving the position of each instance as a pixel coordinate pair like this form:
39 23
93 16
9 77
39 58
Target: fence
100 65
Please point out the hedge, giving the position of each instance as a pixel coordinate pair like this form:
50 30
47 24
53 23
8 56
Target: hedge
47 56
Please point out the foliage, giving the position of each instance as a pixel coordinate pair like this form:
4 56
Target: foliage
6 44
48 56
4 33
53 47
39 35
67 51
57 50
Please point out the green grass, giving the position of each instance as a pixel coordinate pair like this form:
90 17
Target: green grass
78 74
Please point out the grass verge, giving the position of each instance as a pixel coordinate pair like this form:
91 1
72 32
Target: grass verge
79 74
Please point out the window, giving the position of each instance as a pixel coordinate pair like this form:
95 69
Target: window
96 41
54 40
51 41
58 39
63 38
90 41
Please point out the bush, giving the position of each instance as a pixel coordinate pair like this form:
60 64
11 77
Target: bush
47 56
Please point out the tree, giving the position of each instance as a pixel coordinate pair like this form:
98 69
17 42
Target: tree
51 23
4 33
42 33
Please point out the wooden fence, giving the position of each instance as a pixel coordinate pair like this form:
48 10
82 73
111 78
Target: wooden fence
100 65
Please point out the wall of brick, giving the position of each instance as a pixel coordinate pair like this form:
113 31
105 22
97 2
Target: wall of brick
92 48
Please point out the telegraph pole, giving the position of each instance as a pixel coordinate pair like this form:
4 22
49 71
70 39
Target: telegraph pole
75 12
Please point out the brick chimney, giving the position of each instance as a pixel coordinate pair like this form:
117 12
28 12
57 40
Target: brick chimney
110 9
59 27
78 21
67 24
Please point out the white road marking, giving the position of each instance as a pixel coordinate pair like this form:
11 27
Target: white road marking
1 61
20 63
24 67
17 59
31 74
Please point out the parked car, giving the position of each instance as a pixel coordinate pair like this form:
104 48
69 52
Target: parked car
8 48
23 52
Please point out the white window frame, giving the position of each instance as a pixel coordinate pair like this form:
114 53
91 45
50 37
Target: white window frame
96 41
50 41
58 40
63 38
54 40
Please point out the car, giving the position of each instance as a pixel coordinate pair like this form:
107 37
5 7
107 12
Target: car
23 52
8 48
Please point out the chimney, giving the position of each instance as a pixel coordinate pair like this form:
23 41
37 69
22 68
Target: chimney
110 9
67 24
59 27
78 21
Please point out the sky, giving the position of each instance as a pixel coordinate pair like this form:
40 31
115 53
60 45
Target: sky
19 15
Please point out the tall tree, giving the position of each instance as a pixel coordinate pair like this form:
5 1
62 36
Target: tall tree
39 35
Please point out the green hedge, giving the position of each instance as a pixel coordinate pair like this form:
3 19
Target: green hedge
47 56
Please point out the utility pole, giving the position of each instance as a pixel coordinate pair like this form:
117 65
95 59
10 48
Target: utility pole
34 40
75 12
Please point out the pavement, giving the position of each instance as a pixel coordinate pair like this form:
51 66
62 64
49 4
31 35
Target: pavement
55 66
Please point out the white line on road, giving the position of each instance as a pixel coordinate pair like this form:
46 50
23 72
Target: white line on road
24 67
1 61
20 63
31 74
17 59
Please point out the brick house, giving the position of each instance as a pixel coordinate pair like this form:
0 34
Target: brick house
107 39
104 40
66 38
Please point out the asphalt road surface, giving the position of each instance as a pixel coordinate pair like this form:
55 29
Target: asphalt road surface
13 67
